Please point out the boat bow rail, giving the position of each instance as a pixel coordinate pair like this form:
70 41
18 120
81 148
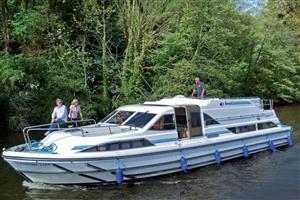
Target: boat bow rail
70 125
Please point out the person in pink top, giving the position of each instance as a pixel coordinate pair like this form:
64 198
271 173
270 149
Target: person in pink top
75 110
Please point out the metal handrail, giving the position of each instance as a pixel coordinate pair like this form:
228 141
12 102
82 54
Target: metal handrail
27 129
269 102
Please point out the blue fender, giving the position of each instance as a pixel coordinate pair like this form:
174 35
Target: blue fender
218 157
245 151
183 164
271 145
118 172
119 175
290 140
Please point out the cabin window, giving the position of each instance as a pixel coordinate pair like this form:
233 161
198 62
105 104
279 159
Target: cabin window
102 148
120 117
166 122
119 146
125 145
140 119
113 146
137 144
109 116
266 125
92 149
243 129
208 120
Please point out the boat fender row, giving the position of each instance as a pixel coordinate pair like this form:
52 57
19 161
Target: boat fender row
119 172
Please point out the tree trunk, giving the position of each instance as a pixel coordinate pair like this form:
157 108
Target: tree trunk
104 53
5 30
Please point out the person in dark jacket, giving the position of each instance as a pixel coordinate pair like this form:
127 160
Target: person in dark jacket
199 89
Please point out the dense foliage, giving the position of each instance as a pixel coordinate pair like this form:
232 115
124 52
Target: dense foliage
112 52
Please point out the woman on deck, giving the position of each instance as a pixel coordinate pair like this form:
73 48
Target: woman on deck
75 110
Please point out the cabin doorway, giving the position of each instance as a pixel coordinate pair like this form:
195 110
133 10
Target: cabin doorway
188 121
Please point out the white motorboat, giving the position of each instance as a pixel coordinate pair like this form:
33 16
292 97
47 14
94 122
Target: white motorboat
150 139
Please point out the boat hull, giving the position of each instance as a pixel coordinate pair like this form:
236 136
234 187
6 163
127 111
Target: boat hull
103 170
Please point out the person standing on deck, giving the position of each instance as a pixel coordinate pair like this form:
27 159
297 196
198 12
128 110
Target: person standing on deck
75 110
199 89
58 116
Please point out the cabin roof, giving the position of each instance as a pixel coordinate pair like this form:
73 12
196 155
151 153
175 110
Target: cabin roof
206 102
181 100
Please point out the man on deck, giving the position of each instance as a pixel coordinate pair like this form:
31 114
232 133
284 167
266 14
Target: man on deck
199 89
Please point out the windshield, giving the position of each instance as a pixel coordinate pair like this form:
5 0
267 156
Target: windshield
140 119
109 116
120 117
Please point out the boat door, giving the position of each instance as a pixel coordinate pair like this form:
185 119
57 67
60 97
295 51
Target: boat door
188 121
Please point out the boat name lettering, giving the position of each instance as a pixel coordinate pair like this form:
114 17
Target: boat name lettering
230 103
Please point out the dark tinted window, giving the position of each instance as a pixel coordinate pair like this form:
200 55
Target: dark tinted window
113 146
138 143
243 129
166 122
140 119
208 120
120 117
119 146
195 119
266 125
92 149
125 145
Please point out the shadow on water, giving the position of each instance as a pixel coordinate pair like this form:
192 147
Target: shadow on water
263 176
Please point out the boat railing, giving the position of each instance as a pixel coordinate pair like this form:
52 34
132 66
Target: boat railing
267 104
60 126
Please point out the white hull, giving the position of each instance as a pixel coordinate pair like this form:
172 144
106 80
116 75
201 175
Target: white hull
101 170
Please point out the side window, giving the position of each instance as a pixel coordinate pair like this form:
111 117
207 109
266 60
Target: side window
114 146
137 144
248 128
166 122
242 129
125 145
102 148
120 146
266 125
92 149
208 120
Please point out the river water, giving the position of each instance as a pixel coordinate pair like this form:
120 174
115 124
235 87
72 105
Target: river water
263 176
